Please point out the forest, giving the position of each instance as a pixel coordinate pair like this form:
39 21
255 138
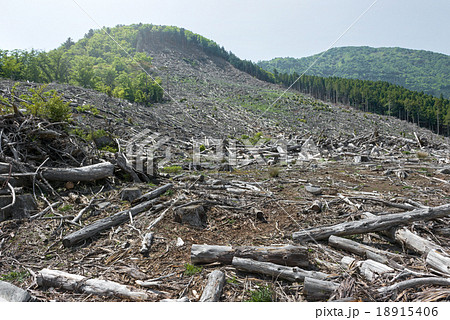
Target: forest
111 60
416 70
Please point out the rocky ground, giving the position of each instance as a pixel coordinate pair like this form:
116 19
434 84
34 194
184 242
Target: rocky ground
244 169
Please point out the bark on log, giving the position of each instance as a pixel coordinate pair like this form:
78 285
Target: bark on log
11 293
108 222
294 256
214 287
293 274
358 248
88 173
154 193
73 282
414 283
413 241
438 261
315 289
378 223
5 167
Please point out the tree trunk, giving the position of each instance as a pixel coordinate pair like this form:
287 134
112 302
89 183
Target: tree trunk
315 289
358 248
414 283
214 287
294 256
73 282
293 274
382 222
87 173
438 261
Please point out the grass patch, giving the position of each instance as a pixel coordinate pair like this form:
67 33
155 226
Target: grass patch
422 155
190 269
172 169
273 172
14 276
263 294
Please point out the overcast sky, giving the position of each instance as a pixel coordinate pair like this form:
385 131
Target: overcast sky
252 29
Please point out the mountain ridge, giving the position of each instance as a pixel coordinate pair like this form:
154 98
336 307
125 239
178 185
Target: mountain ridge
417 70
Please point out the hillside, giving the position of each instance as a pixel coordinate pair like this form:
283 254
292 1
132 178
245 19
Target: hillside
416 70
115 199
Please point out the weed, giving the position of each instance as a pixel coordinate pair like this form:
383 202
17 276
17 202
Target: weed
172 169
190 269
65 208
273 172
421 155
14 276
263 294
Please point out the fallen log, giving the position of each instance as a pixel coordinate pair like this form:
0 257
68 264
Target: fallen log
154 193
414 283
378 223
11 293
73 282
413 241
315 289
214 287
438 261
294 256
369 269
358 248
88 173
108 222
293 274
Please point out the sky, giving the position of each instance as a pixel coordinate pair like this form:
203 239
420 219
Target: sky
251 29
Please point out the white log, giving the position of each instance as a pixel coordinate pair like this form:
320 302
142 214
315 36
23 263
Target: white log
370 268
438 261
315 289
293 274
87 173
73 282
414 242
146 243
378 223
358 248
414 283
214 287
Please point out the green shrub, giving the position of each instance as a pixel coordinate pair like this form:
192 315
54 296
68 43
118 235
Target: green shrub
47 104
14 276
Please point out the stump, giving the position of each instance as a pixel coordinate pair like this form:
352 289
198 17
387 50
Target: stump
194 216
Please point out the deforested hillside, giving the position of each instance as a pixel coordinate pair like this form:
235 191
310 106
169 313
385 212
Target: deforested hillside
225 188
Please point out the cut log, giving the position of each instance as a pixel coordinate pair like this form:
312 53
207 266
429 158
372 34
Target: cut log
438 261
194 215
414 283
146 243
294 256
73 282
370 268
378 223
214 287
88 173
413 241
155 193
315 289
106 223
5 167
276 271
358 248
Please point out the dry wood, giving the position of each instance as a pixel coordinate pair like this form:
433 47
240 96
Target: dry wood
154 193
87 173
358 248
108 222
146 243
438 261
214 287
73 282
414 283
378 223
413 241
293 274
5 167
284 255
315 289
